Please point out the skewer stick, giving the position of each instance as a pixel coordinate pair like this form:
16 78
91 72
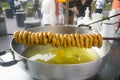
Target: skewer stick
111 38
104 38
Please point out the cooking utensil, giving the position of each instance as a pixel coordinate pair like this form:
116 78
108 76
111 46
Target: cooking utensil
107 18
104 38
45 71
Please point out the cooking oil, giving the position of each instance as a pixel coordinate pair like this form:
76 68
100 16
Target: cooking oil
60 55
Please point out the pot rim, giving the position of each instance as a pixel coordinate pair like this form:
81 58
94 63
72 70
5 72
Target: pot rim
72 26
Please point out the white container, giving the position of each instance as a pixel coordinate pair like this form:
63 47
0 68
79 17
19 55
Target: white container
115 19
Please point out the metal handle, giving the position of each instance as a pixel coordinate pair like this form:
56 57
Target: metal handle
9 63
112 38
111 23
84 25
4 52
6 34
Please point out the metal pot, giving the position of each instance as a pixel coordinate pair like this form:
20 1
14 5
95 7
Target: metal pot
46 71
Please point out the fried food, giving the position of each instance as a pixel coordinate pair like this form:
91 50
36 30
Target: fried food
90 40
66 40
25 33
86 42
95 40
69 40
54 40
77 39
41 38
29 38
58 40
72 40
45 40
61 39
32 39
15 36
20 37
50 35
37 38
81 40
100 40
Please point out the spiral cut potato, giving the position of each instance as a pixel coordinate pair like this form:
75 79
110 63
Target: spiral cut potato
66 40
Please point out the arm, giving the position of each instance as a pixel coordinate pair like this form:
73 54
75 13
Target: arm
91 6
56 8
73 9
62 5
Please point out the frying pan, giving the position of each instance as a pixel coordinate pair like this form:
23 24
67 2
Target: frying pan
47 71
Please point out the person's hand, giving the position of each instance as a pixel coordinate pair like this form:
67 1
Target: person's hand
71 9
75 10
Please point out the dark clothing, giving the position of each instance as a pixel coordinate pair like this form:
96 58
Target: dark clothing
17 7
36 4
71 13
1 11
82 7
99 11
11 3
71 5
36 7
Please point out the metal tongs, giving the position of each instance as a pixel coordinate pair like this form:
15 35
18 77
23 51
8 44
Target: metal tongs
107 18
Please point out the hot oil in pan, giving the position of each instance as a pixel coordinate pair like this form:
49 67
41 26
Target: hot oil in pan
60 55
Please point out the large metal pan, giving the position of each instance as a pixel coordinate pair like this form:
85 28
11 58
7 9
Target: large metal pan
46 71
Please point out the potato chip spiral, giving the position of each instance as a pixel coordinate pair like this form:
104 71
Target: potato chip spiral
66 40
